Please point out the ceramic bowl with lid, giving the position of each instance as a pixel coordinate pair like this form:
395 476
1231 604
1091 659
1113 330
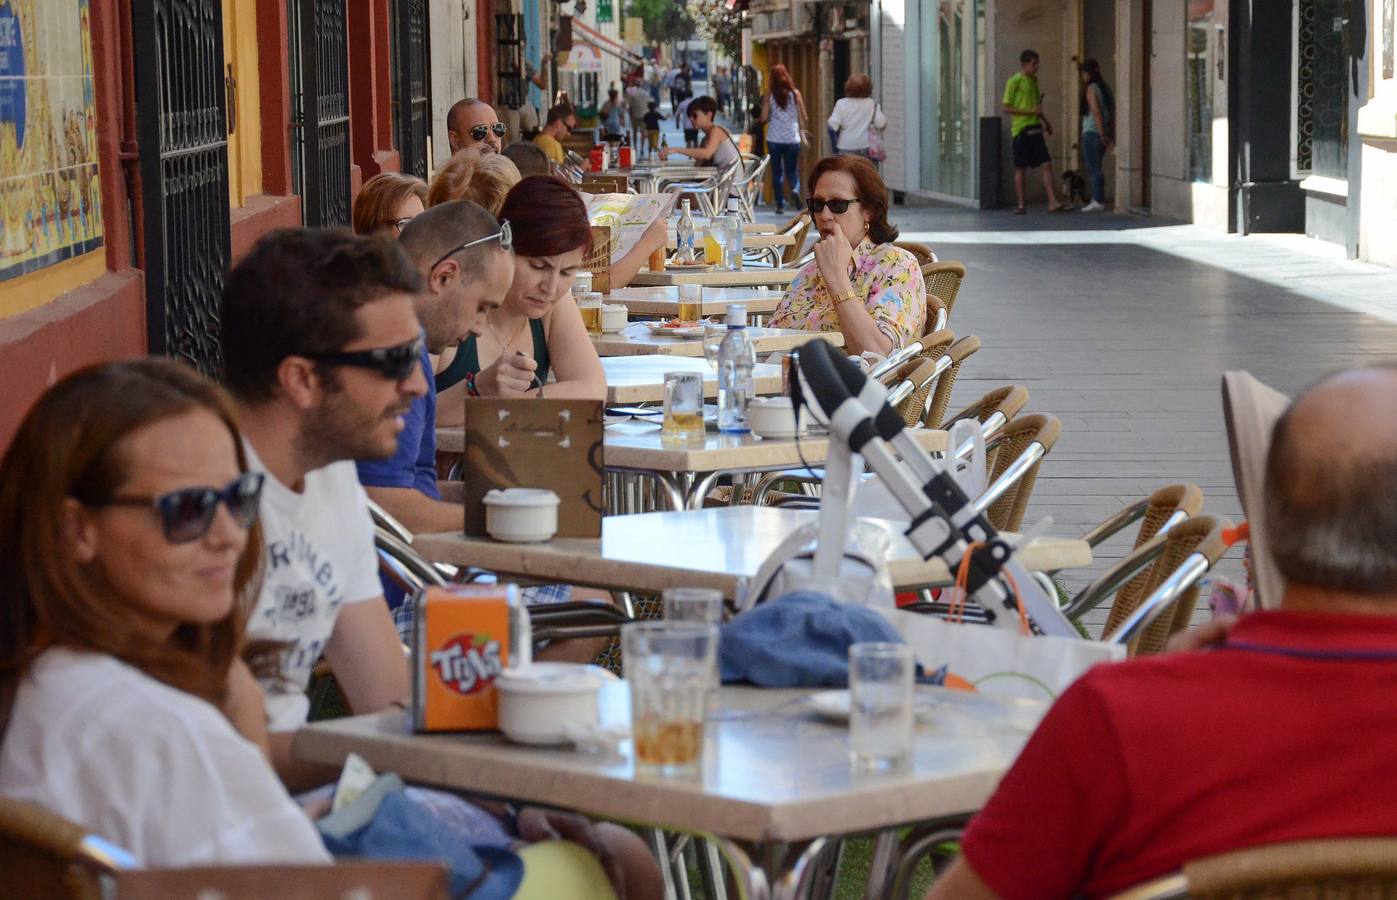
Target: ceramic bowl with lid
541 703
521 515
614 317
773 417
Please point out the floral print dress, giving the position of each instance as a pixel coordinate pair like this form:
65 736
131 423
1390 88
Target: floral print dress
886 278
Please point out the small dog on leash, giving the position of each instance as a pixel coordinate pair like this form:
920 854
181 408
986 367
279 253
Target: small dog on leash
1074 185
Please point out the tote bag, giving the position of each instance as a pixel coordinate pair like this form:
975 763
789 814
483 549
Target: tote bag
877 150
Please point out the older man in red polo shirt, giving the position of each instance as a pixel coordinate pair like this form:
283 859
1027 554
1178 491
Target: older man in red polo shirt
1281 732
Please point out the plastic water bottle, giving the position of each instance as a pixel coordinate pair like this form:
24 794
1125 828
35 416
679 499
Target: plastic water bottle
732 244
684 235
736 359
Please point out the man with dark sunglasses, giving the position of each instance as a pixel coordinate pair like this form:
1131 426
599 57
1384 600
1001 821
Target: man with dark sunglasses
472 123
562 119
464 256
323 354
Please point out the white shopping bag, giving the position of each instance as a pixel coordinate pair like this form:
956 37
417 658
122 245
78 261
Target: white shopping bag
997 661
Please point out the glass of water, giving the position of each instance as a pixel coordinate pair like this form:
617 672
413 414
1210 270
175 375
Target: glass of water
691 604
880 706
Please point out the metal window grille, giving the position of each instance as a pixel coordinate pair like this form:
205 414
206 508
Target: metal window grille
509 60
319 63
182 130
411 87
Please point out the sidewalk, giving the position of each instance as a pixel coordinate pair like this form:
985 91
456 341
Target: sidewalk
1122 327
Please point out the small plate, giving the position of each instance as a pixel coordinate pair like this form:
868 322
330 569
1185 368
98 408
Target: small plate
929 700
695 266
687 331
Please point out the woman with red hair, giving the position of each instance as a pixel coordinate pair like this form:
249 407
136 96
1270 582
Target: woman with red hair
859 284
536 331
783 113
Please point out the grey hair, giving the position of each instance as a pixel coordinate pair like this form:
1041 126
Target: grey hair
1331 523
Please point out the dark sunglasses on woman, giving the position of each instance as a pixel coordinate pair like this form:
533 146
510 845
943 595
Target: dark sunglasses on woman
394 363
478 132
187 514
838 207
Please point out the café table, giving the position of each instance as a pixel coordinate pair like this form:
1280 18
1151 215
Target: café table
749 276
750 241
637 339
663 301
641 379
719 547
774 788
685 474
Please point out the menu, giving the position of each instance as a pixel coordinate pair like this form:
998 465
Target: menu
628 215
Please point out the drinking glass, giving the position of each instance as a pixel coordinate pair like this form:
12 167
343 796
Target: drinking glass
683 421
590 304
713 339
669 667
691 604
690 302
880 706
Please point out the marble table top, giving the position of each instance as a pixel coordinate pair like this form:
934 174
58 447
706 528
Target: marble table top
773 771
748 277
637 339
641 379
721 547
664 300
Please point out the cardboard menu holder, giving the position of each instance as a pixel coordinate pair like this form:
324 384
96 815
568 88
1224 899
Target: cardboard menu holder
536 443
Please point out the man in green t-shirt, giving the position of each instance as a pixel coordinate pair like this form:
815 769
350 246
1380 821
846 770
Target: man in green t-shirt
1024 102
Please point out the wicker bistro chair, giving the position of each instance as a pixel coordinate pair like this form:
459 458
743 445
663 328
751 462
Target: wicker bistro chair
993 411
912 385
598 260
605 184
931 345
1189 551
935 314
1019 451
1335 869
924 254
799 228
940 399
944 279
44 855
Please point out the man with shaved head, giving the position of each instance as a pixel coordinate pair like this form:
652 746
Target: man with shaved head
471 123
1281 732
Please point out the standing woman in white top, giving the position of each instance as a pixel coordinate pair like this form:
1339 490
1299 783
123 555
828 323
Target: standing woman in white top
854 114
128 517
783 113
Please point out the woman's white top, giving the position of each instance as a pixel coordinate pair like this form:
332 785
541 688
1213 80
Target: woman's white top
150 768
851 118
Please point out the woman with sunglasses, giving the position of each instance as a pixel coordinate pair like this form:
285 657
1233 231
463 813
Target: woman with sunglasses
388 201
128 516
859 284
536 331
718 147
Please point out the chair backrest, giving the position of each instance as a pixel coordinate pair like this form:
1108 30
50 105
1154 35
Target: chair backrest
1190 550
605 184
999 405
345 880
959 352
1334 868
44 855
935 314
598 259
930 346
910 387
1007 512
922 252
944 279
799 228
1165 507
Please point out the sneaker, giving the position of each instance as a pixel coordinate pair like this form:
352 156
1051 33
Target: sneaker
1093 206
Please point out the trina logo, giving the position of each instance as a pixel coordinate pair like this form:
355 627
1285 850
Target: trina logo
466 667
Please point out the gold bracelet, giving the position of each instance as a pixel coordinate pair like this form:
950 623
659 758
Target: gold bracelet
846 297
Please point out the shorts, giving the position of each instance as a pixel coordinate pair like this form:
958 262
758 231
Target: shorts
653 136
1030 150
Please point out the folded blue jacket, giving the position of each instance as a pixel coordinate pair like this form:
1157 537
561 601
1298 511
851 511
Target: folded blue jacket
800 639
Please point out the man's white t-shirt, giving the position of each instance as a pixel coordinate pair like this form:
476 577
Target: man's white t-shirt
320 556
148 767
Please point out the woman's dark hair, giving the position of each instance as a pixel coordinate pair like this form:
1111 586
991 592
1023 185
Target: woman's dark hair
703 104
1093 70
781 85
69 448
548 217
872 193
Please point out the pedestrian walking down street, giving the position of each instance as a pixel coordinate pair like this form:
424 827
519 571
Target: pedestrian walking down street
1098 111
783 113
1024 102
855 116
613 116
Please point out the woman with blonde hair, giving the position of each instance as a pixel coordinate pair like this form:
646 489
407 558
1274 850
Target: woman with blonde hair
485 179
388 200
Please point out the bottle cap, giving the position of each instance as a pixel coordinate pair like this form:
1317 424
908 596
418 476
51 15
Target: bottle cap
737 315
